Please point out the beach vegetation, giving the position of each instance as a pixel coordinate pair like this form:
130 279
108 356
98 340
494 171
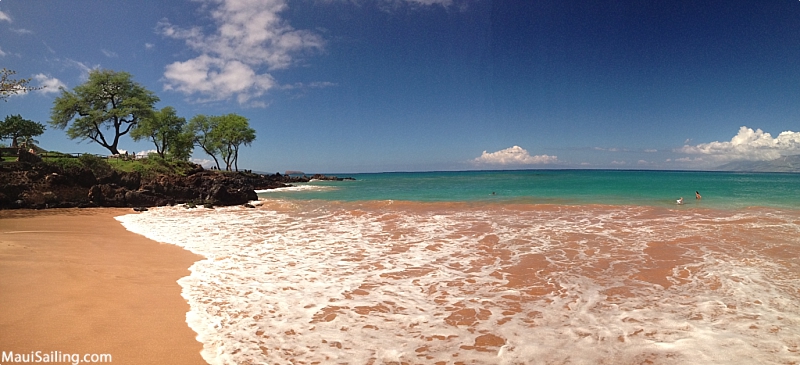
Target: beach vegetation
153 165
104 108
98 165
10 86
16 128
221 137
166 130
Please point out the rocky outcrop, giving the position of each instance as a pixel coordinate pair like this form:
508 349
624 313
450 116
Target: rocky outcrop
40 185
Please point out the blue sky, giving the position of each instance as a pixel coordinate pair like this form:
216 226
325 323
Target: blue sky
411 85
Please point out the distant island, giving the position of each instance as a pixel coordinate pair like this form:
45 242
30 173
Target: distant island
783 164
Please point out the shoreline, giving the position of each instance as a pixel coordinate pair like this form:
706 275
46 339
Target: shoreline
75 281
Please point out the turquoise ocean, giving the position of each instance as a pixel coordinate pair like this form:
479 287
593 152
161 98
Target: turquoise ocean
618 187
497 267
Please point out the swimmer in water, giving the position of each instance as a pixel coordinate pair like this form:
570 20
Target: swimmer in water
697 195
680 201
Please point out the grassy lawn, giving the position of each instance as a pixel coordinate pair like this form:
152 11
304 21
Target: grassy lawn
147 166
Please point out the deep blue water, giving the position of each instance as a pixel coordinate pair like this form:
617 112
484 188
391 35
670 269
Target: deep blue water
718 189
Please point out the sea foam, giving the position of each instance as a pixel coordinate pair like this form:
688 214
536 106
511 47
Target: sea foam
375 283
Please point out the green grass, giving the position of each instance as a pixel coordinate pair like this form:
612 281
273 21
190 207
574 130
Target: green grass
101 166
151 166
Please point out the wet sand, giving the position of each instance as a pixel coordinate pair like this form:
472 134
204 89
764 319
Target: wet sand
75 281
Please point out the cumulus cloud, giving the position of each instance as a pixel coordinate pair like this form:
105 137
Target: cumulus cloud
750 145
515 155
4 16
206 163
650 150
49 84
249 35
146 153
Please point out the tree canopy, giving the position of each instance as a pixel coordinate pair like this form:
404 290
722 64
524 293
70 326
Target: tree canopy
201 128
222 136
164 128
9 86
109 100
15 127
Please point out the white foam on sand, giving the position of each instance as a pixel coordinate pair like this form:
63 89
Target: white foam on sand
296 188
299 282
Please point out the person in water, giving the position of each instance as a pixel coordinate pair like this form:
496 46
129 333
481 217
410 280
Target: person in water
697 195
680 201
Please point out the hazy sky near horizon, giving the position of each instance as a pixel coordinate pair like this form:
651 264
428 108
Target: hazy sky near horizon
390 85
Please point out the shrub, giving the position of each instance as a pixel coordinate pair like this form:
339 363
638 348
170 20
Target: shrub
65 163
98 165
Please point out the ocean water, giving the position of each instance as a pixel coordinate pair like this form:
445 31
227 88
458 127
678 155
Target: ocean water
557 267
653 188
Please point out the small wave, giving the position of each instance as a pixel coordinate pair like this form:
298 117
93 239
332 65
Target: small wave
295 188
391 282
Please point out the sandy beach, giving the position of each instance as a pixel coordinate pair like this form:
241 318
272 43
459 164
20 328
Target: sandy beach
76 282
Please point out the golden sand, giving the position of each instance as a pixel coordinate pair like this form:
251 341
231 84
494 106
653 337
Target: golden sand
76 282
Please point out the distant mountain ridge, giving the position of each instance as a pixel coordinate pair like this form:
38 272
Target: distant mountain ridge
783 164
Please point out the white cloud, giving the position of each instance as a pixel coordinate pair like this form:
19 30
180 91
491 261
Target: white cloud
21 31
84 69
615 162
688 159
650 150
513 156
49 84
4 16
149 45
612 149
109 54
748 145
145 153
2 54
249 35
206 163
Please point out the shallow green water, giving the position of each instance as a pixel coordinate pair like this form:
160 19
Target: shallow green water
719 189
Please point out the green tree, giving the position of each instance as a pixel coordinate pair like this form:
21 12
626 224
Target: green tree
200 129
14 127
233 131
109 100
222 136
9 86
182 146
163 128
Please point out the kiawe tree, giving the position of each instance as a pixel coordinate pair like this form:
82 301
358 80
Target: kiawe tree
201 128
222 136
9 86
109 101
233 131
14 127
164 128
